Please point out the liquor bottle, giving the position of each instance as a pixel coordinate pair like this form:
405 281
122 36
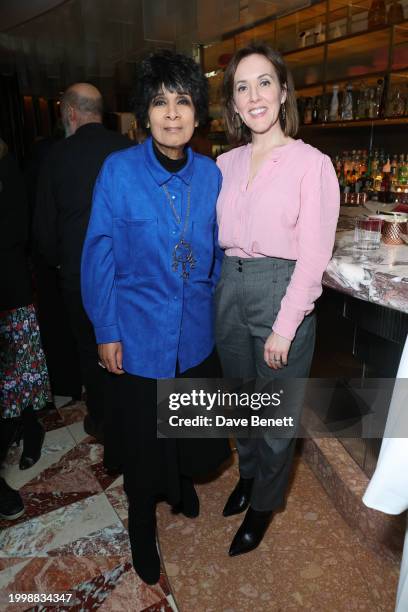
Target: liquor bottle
372 105
301 105
319 33
402 171
395 12
377 14
347 182
307 118
378 97
339 166
347 106
394 173
334 104
363 163
367 103
397 104
354 160
325 109
382 94
386 179
381 159
316 110
374 163
347 163
361 104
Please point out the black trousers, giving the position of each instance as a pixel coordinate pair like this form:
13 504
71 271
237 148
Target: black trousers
95 378
152 467
55 329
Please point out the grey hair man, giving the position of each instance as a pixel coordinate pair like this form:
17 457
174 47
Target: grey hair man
81 104
64 200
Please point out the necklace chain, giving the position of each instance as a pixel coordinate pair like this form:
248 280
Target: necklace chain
173 208
183 251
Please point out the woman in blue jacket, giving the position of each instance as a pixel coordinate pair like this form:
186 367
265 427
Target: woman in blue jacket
149 266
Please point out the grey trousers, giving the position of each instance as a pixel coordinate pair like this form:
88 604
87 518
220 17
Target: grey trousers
248 299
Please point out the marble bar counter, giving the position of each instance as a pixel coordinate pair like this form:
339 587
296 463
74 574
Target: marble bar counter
362 321
379 276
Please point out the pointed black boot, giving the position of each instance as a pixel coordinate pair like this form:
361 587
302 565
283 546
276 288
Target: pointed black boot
189 503
33 438
11 504
238 501
142 535
251 532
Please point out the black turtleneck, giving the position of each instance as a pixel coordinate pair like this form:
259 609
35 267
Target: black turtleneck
171 165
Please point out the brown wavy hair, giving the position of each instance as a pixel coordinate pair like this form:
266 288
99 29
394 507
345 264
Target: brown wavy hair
238 132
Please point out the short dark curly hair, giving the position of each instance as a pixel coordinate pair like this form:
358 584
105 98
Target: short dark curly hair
177 73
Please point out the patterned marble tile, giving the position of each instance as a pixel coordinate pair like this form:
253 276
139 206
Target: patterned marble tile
61 400
64 478
161 606
78 432
50 419
7 578
73 412
131 589
49 531
6 563
116 483
37 504
116 589
117 498
111 540
51 575
90 594
56 444
101 475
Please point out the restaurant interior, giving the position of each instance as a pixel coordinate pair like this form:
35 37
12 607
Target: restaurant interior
327 551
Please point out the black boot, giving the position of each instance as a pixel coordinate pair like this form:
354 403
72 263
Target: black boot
189 503
11 431
238 501
251 532
11 504
33 438
142 535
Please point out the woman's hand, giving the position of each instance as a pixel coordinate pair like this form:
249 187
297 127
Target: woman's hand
276 351
110 356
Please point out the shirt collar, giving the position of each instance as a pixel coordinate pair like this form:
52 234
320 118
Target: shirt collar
160 174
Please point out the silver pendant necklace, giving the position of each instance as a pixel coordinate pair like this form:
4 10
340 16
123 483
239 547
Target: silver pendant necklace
183 251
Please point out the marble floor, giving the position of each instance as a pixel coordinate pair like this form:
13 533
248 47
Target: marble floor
73 538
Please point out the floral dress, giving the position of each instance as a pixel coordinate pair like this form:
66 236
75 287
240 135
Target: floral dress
23 371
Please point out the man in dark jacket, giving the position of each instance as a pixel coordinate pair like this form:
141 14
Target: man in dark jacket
64 199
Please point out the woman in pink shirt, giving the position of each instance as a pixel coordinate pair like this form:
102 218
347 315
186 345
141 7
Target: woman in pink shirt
277 215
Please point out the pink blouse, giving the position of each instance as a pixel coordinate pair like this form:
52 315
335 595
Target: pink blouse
290 210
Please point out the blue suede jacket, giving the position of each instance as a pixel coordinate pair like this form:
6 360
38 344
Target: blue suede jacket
129 288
